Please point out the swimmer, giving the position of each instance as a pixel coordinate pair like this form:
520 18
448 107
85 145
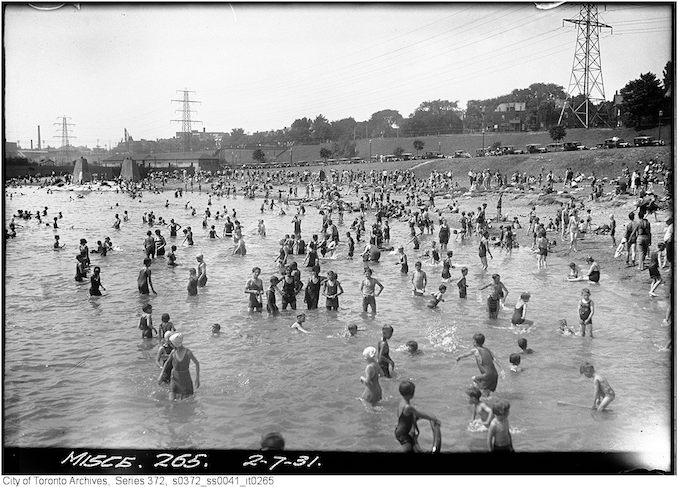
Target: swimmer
165 325
586 310
522 343
481 411
520 310
171 257
437 297
406 432
192 286
418 280
383 358
514 360
461 283
653 268
603 394
273 441
563 329
271 307
144 281
216 329
372 392
352 330
56 245
164 350
488 377
254 287
297 325
146 322
499 434
202 271
367 289
413 348
95 283
402 261
261 228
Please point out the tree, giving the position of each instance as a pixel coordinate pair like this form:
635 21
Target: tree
382 123
418 145
259 156
325 153
321 130
398 151
643 98
300 131
432 117
557 132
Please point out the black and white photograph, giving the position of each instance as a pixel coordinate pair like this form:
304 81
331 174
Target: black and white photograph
328 235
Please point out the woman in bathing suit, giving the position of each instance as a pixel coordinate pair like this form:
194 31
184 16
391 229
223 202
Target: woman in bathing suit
520 310
181 385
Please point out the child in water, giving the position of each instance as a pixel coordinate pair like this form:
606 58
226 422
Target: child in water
481 411
192 282
372 392
498 434
384 359
461 283
406 432
514 359
352 330
171 257
563 329
216 329
522 343
586 310
603 394
271 307
146 322
437 297
165 325
297 325
413 348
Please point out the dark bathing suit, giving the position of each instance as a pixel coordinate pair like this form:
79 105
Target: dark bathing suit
489 378
180 382
406 429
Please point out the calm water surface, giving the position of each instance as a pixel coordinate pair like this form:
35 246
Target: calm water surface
77 373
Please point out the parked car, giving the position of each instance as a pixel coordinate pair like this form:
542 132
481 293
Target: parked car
615 142
555 147
535 148
575 145
433 155
646 140
481 152
461 154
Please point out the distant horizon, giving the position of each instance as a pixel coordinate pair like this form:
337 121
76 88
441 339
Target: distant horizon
260 67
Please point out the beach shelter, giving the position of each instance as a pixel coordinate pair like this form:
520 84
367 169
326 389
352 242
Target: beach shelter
81 173
130 170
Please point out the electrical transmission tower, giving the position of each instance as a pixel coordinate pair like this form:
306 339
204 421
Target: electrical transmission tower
64 154
186 118
586 81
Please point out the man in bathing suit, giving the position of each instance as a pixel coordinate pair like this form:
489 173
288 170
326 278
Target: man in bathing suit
367 289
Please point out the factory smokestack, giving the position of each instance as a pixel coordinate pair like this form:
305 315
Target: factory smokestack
39 147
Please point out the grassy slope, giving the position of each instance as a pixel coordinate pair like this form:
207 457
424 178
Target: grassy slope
607 162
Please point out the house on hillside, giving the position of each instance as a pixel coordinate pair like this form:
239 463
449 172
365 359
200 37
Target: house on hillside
508 117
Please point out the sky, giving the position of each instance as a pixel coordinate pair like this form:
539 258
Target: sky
111 67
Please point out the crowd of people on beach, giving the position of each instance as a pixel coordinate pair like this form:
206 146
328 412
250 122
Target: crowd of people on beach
370 199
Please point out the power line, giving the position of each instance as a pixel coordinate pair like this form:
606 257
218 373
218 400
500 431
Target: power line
64 154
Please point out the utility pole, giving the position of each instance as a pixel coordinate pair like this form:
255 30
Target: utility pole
186 117
65 150
587 74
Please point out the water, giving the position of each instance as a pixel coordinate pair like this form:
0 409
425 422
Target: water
77 373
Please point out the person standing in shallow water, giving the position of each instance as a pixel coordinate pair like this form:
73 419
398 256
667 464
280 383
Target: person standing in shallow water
144 280
488 378
181 384
202 271
372 392
95 283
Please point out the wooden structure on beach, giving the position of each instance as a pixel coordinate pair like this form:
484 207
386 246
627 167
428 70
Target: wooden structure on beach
81 172
130 170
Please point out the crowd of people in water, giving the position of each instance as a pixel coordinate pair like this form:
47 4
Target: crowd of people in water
365 202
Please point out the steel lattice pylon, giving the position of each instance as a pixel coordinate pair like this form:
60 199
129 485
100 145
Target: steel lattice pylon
587 73
186 118
65 149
